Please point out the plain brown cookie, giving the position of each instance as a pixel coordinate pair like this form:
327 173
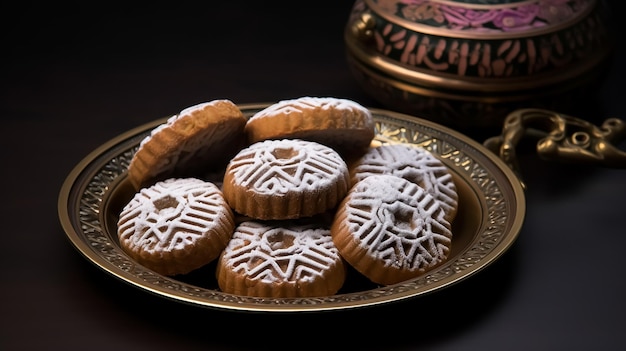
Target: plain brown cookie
198 139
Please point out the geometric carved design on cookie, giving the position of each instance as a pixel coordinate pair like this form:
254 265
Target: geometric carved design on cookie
414 164
391 230
280 260
176 225
288 178
339 123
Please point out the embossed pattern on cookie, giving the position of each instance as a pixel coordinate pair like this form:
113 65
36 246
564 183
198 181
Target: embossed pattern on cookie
284 179
391 230
280 259
176 225
413 163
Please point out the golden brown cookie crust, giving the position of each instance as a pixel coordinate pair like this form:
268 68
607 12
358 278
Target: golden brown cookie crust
339 123
199 138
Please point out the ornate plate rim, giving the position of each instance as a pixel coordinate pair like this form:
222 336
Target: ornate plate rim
79 211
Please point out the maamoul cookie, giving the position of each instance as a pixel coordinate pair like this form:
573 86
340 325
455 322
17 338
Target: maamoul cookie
342 124
412 163
176 225
280 259
199 138
285 179
390 229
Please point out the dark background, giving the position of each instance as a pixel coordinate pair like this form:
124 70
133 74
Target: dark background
74 77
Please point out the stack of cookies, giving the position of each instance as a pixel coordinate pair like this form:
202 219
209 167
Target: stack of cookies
301 192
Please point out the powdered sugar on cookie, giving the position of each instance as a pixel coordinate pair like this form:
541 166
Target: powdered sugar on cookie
283 259
342 124
285 179
281 254
179 217
390 229
413 163
280 167
307 103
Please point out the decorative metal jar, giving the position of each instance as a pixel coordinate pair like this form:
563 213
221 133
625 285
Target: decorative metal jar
469 63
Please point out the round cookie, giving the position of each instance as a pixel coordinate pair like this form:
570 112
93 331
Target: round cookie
176 225
342 124
390 229
413 163
280 259
285 179
200 138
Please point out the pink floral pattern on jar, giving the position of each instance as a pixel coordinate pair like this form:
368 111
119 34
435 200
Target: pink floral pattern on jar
521 16
454 60
485 41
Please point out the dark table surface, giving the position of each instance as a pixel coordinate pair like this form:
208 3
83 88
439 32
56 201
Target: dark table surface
73 79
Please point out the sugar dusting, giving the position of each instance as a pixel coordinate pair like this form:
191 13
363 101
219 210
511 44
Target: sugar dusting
397 222
171 214
280 253
287 165
306 103
415 164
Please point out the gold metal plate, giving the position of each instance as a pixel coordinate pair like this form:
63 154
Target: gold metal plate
490 216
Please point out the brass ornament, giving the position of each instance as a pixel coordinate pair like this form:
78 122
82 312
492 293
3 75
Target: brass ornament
566 139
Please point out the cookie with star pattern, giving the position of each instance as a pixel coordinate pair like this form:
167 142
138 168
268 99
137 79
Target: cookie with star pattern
280 259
